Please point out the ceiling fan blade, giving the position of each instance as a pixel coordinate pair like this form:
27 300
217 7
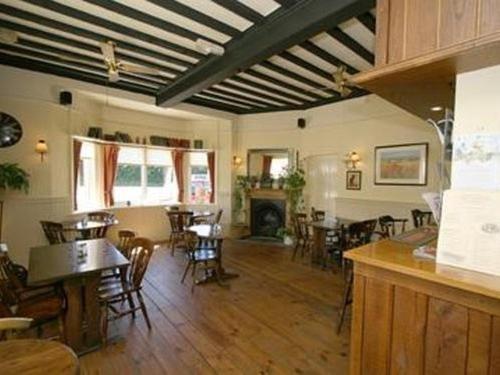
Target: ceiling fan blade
108 51
8 36
132 68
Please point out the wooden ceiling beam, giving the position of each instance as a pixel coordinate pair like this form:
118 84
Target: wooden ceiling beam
241 10
368 21
306 65
352 44
281 30
326 56
252 100
250 90
50 23
214 105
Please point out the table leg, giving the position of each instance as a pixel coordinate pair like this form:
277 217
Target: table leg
92 310
319 245
74 314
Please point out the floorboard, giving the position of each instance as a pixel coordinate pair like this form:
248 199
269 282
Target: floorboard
278 317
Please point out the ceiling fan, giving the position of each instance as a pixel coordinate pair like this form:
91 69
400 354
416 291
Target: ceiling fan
340 83
8 36
115 66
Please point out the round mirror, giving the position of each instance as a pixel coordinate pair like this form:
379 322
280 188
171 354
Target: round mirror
10 130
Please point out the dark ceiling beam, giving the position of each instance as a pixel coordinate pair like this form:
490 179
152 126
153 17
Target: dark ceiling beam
253 101
281 30
297 77
116 27
305 64
368 21
18 13
86 65
328 57
34 65
224 98
202 18
352 44
214 105
241 10
283 84
251 91
150 20
81 45
287 3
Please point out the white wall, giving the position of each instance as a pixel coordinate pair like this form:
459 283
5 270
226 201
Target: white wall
354 125
32 98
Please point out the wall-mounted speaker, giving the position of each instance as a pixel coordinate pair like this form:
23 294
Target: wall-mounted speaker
301 123
65 98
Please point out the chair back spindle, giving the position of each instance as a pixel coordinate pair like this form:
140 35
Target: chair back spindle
140 255
53 231
125 241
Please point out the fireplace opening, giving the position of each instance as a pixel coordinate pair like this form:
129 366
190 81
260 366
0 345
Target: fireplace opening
267 216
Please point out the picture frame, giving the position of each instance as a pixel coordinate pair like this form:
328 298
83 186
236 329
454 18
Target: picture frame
353 180
404 164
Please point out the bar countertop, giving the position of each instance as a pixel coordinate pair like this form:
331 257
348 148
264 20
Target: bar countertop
398 257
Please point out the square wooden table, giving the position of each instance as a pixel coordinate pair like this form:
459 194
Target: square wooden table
80 277
320 229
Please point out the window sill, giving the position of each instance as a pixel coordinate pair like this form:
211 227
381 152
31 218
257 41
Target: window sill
146 205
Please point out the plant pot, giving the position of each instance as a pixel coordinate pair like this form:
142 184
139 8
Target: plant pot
288 240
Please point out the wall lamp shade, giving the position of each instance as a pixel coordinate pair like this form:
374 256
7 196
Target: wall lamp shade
237 161
41 148
352 159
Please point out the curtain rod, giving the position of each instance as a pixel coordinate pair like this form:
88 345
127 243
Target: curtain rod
137 145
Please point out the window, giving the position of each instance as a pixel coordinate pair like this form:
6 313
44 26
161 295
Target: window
88 197
144 176
278 165
199 184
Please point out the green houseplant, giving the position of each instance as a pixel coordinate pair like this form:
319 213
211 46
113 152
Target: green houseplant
12 177
294 186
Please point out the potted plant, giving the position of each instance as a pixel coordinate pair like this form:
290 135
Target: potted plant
253 181
281 182
12 177
241 189
286 235
266 181
294 185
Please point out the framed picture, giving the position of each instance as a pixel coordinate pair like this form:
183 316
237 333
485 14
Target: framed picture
401 164
353 180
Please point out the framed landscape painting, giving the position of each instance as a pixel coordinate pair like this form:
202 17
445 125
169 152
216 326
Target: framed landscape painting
401 164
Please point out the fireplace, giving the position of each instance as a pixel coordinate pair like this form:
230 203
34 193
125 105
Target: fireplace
267 216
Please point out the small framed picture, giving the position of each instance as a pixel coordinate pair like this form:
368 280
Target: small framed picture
401 164
353 180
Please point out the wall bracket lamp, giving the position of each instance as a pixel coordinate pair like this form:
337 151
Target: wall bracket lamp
41 148
352 159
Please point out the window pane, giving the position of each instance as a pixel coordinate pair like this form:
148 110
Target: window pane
200 180
156 175
131 155
128 175
158 157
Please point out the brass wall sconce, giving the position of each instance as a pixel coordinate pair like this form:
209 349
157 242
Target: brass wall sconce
41 148
352 159
237 161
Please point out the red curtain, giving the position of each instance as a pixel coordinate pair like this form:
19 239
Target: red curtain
211 173
77 148
266 164
178 160
110 167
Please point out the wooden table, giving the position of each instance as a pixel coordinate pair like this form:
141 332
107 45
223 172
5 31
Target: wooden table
213 232
320 230
80 278
85 227
36 357
413 316
201 215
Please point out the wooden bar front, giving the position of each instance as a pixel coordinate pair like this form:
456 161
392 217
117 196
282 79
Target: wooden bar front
417 317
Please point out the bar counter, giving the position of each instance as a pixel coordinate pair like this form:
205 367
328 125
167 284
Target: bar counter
413 316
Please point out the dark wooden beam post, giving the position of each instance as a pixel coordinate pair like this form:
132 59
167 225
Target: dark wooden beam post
278 32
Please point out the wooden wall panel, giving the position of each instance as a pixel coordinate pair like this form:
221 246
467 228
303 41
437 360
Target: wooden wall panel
408 332
377 327
382 32
457 21
478 345
397 27
358 295
489 17
446 338
495 346
421 27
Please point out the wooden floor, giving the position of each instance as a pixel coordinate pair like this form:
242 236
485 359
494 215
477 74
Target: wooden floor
278 317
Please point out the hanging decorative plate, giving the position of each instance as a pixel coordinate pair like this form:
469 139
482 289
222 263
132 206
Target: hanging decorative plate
10 130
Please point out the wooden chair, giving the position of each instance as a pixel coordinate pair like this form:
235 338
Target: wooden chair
42 304
179 221
303 237
358 234
102 216
218 216
317 215
201 252
53 231
388 225
125 241
9 326
113 294
421 218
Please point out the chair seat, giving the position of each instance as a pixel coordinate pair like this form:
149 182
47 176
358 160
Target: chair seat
112 288
42 307
205 254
